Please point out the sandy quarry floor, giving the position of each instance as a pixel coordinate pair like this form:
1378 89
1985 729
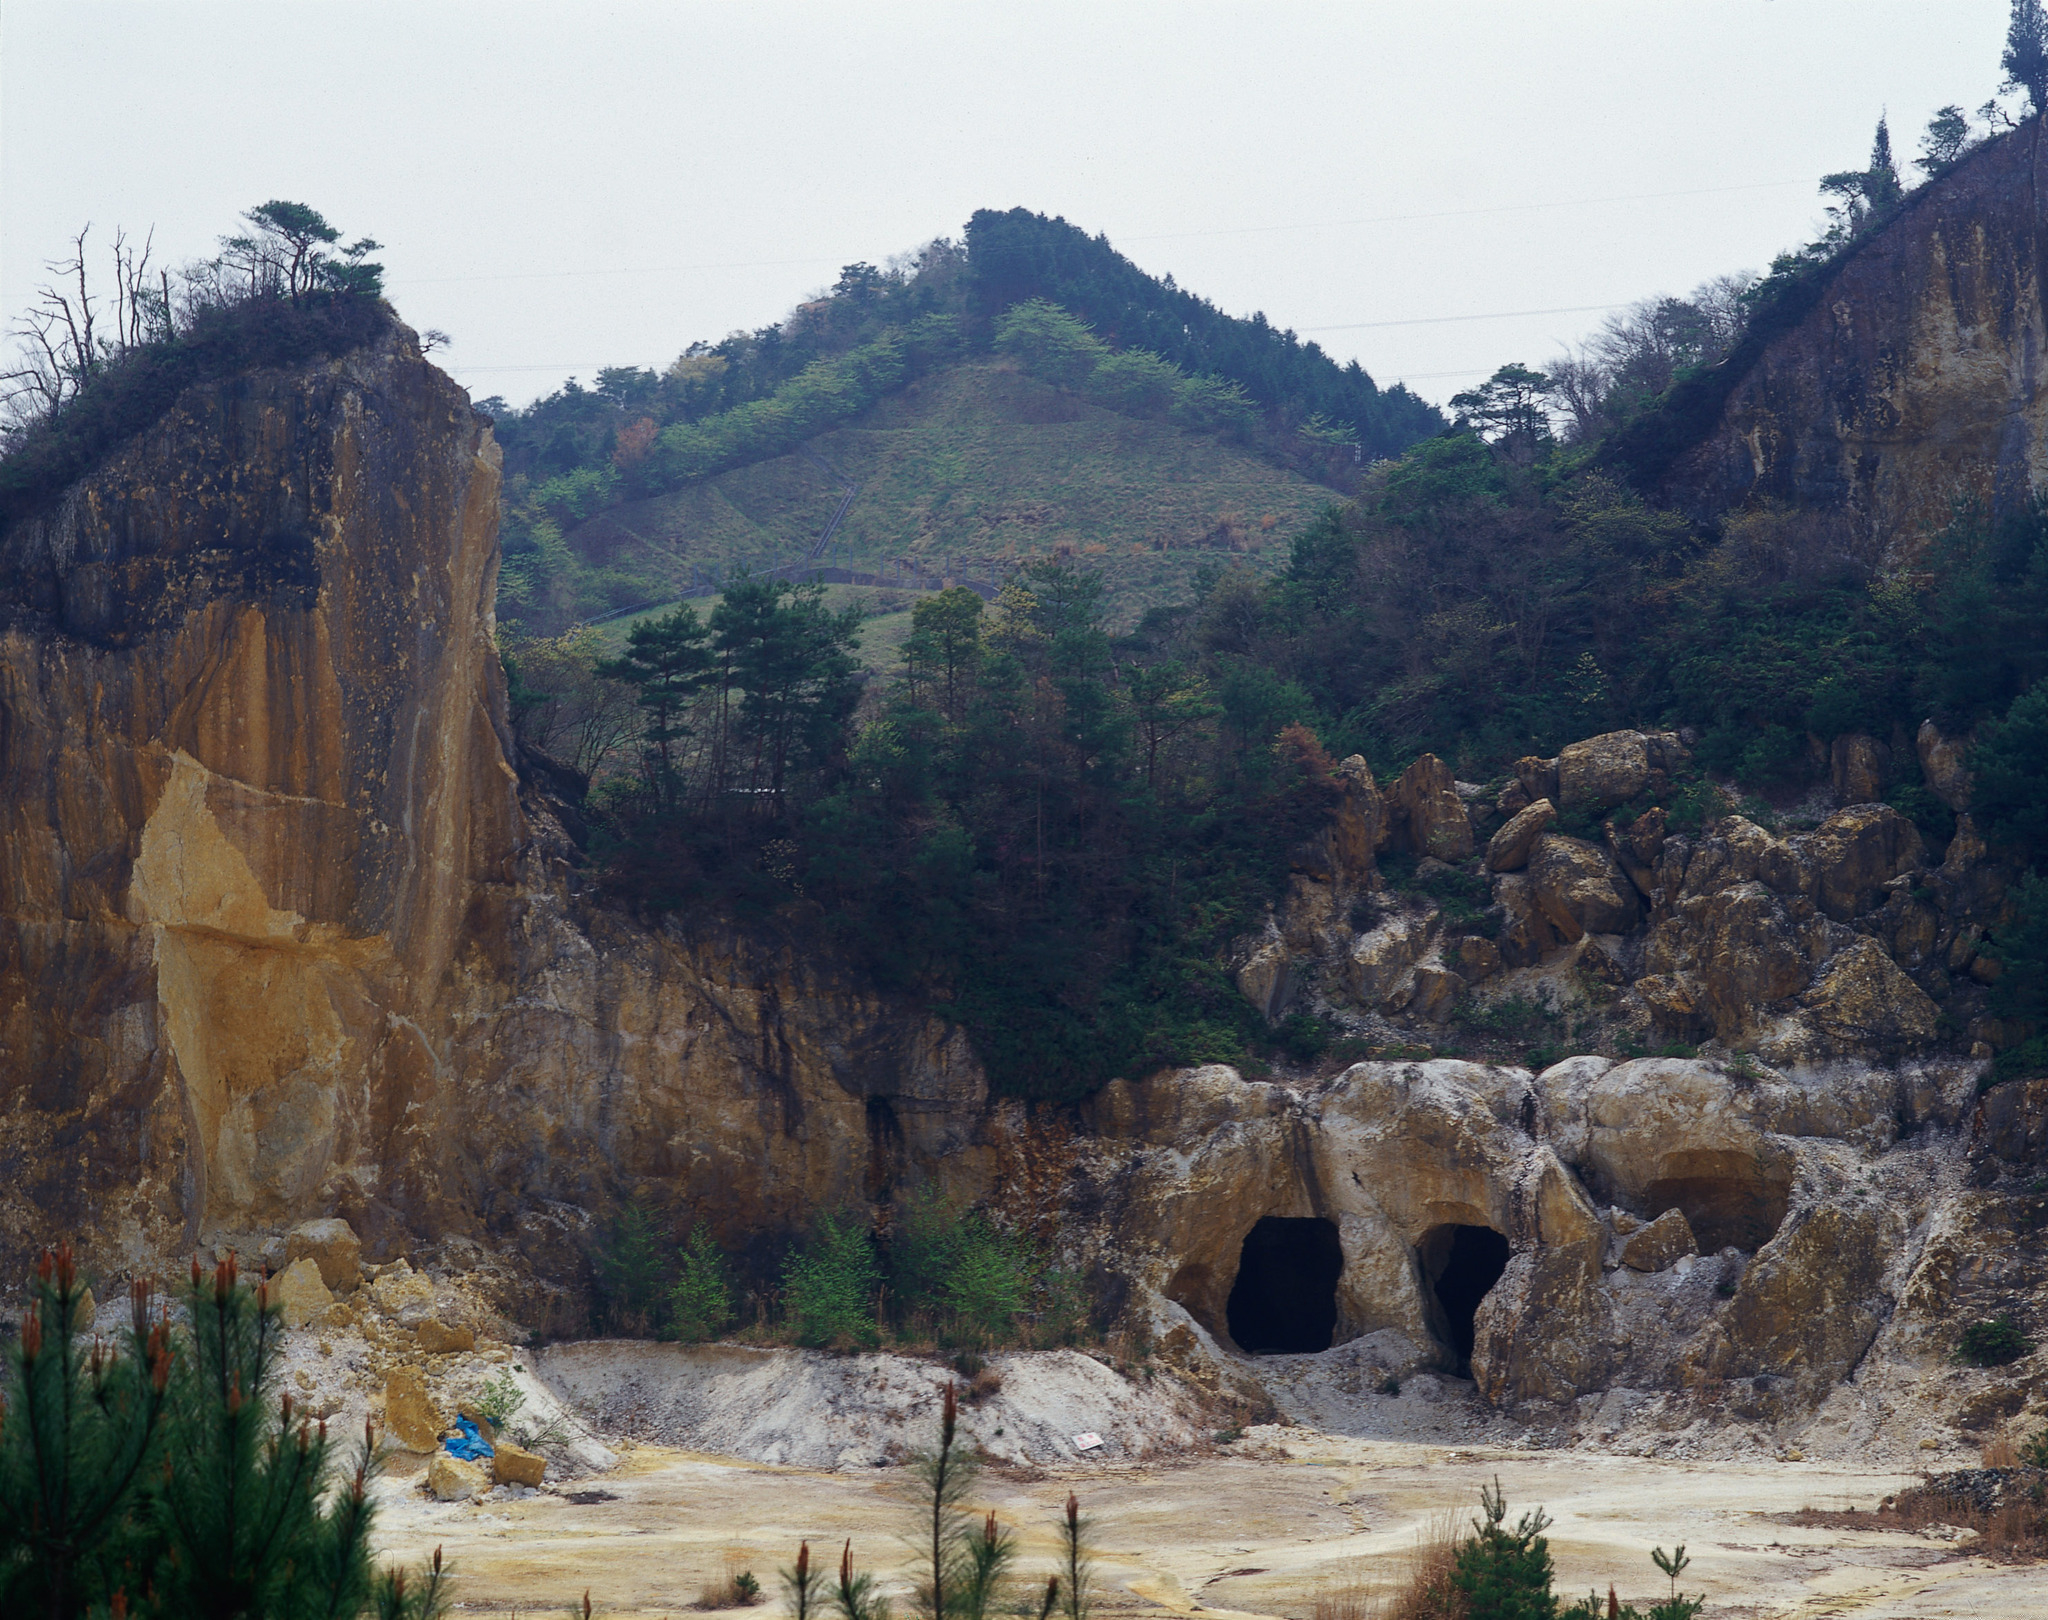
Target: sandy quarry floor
1253 1534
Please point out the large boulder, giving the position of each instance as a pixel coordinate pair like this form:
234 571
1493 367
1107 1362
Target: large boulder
1508 849
332 1246
1266 977
1734 950
515 1465
410 1416
1856 852
1537 778
1659 1244
453 1480
300 1293
400 1291
1526 934
1811 1302
1341 852
1425 814
1543 1332
1380 971
1580 889
1603 771
1865 1006
438 1338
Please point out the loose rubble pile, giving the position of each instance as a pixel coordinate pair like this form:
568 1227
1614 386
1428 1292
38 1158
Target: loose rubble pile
410 1351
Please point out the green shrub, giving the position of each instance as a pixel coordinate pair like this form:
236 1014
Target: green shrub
700 1302
1302 1036
2020 948
632 1271
1693 805
1505 1574
970 1279
1993 1343
500 1399
828 1286
1936 821
2010 764
2021 1062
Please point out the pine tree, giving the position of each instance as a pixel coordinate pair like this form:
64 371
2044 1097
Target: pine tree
1505 1574
1881 188
163 1479
82 1431
2026 52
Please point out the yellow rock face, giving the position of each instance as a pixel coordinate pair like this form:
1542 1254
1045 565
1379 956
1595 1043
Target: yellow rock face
280 942
410 1417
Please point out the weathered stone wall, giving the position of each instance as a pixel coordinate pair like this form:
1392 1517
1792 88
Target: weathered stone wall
277 938
1917 378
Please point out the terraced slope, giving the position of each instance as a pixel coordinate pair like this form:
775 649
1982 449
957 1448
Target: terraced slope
961 474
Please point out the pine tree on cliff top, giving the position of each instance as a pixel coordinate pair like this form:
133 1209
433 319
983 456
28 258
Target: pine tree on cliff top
2026 52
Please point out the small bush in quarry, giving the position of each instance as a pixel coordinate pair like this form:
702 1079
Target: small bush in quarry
828 1286
1993 1343
700 1303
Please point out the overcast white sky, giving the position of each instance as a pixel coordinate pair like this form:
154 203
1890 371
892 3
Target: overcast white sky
567 186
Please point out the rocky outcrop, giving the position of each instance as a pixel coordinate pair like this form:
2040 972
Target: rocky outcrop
278 937
1911 380
1425 816
1665 1223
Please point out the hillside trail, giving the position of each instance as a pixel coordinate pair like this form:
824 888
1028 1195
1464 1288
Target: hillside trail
1294 1515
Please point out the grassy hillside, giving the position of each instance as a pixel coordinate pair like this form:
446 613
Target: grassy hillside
962 473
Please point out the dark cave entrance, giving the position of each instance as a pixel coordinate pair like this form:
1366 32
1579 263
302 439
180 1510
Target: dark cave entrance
1463 1264
1284 1301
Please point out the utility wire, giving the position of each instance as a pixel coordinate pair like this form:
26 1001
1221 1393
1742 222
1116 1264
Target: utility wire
1467 213
1348 326
1444 320
626 270
1168 236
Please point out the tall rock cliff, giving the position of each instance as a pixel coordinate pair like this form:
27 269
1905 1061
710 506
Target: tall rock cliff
278 937
1913 378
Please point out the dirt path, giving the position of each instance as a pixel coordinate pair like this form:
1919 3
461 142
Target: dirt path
1255 1535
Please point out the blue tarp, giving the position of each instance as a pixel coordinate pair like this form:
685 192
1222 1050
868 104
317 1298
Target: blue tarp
469 1445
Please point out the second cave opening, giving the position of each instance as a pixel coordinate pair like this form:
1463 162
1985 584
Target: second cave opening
1463 1263
1284 1301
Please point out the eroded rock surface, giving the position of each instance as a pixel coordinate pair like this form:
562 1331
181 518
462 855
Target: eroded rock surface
279 939
1910 381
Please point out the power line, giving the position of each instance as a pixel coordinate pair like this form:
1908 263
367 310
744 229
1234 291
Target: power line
1467 213
1167 236
627 270
1443 320
1348 326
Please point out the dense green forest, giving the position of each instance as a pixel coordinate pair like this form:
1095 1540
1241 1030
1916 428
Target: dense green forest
596 514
